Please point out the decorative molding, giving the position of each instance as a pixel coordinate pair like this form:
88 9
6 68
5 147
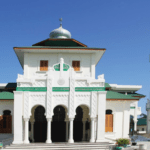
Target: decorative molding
65 67
71 95
24 85
49 98
61 89
93 104
60 95
81 83
39 83
32 89
26 104
88 89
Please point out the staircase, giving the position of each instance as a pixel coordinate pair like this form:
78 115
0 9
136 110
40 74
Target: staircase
61 146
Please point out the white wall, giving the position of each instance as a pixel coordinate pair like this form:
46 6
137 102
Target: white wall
32 62
8 105
121 116
140 128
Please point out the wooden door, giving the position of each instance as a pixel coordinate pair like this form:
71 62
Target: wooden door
5 124
109 123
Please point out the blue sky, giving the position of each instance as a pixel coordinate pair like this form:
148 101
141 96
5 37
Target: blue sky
120 26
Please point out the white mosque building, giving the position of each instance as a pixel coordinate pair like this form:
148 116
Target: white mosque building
58 98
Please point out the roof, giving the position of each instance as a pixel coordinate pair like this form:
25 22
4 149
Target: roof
60 47
116 95
60 42
136 95
11 86
6 95
117 87
107 85
142 121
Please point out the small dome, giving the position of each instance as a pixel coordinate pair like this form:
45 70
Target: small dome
60 33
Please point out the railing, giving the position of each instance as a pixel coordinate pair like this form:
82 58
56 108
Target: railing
7 142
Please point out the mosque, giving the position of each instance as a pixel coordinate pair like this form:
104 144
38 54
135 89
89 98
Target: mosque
58 98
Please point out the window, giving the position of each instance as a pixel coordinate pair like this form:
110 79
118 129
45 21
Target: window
44 65
76 65
142 129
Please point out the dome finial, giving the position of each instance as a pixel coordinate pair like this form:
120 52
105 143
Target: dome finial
60 22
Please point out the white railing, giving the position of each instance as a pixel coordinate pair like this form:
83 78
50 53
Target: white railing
7 142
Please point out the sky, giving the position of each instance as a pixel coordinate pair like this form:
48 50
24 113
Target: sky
120 26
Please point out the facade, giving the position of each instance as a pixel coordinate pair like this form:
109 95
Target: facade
58 98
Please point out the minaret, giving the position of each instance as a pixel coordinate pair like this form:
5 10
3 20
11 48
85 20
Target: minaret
148 115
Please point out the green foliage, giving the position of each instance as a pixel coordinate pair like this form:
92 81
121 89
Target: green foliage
122 141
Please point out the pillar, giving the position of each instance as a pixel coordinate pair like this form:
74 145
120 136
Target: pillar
71 131
95 128
92 130
101 106
135 117
66 130
83 139
18 125
26 140
48 130
32 131
126 120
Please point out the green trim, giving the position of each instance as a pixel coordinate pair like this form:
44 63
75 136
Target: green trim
32 89
132 107
88 89
65 67
61 89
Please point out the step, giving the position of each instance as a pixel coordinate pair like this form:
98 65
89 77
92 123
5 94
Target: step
59 146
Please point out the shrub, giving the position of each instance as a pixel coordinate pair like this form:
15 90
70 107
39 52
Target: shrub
122 141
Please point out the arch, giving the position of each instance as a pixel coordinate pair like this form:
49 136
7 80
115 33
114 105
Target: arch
40 124
59 124
6 112
82 105
108 111
82 123
63 105
34 106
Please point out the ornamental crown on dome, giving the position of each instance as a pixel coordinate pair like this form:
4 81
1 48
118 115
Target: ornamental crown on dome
60 33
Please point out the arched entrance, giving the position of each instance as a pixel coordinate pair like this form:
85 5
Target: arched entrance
82 124
40 125
6 122
59 124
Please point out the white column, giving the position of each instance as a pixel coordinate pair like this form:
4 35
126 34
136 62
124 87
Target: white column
71 131
93 66
126 120
26 140
32 131
67 131
92 130
101 116
135 117
18 126
83 139
95 128
48 130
